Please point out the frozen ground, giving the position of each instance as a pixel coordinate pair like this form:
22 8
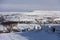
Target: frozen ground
30 35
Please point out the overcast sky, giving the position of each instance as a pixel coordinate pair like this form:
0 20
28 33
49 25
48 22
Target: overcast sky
24 5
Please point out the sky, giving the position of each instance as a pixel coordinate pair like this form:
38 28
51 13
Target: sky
28 5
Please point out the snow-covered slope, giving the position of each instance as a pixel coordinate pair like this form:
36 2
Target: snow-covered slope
30 35
35 12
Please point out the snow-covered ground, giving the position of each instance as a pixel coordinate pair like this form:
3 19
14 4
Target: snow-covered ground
29 35
35 12
21 26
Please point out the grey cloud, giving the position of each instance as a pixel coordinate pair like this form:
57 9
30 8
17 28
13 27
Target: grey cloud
16 5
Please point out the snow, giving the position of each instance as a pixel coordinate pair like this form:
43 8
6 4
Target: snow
35 12
57 19
2 28
29 35
11 36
